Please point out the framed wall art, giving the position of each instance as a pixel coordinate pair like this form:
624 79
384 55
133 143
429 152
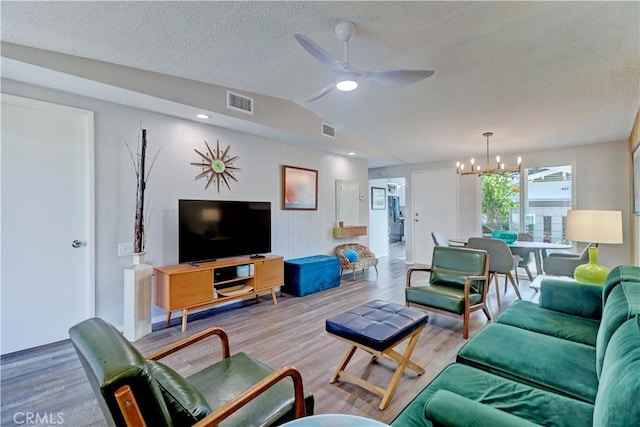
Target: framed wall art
378 198
299 188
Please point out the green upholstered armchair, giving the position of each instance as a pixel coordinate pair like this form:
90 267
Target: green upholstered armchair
135 391
458 283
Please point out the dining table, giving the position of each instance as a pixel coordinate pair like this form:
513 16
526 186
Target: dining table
539 248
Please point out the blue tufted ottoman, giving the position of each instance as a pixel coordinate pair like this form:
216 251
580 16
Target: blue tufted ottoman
377 327
304 276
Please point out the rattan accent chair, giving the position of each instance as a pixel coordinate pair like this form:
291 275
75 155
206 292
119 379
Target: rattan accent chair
365 258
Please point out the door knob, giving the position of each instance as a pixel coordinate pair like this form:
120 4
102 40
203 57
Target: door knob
76 243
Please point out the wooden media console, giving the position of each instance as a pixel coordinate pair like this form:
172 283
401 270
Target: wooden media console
189 286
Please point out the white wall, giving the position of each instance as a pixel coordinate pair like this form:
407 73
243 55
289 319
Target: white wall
601 182
378 224
294 233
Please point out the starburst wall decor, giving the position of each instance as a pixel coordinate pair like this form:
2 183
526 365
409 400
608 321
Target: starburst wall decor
216 166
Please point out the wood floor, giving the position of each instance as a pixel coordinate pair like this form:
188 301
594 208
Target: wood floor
49 381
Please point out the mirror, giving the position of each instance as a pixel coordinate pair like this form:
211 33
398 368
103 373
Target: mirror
347 202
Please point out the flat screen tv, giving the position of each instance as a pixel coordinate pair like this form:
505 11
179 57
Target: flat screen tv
213 229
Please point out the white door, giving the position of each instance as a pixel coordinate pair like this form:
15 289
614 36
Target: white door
435 208
47 283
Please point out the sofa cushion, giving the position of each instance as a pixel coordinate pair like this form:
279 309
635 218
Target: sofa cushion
446 298
540 360
617 400
351 255
571 297
538 406
621 273
237 374
530 316
449 409
622 304
186 405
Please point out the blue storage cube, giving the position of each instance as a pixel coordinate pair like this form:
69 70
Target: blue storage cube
304 276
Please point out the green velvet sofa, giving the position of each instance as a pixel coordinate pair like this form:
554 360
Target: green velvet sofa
572 360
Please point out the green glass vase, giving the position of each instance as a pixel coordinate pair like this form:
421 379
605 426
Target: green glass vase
591 272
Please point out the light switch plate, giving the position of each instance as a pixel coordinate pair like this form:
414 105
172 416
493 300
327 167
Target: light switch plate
125 249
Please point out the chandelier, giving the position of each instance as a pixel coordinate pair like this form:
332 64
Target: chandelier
480 170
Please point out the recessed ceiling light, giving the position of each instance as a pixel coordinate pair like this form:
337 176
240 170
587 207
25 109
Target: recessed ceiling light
352 153
202 116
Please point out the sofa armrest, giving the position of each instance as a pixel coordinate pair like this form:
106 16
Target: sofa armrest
570 297
449 409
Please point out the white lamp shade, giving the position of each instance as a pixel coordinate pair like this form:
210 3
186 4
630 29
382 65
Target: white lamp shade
594 226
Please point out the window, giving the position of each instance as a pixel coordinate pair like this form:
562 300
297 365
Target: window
547 199
537 204
500 202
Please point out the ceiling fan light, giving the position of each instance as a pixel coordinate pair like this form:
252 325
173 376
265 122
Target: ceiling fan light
346 85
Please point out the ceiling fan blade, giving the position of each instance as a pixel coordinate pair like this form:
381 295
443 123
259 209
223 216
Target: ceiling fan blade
318 52
398 77
322 92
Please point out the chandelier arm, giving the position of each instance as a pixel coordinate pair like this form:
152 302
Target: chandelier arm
477 170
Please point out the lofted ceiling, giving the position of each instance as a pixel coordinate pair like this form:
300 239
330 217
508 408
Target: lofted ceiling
537 74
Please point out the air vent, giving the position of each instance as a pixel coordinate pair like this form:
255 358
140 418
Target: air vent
328 130
239 103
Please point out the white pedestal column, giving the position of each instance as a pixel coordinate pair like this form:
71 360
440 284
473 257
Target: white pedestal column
137 299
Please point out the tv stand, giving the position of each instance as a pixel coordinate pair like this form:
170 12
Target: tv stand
256 256
187 287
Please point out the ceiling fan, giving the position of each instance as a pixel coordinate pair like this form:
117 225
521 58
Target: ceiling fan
346 78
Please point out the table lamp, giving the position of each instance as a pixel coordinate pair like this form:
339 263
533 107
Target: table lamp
593 227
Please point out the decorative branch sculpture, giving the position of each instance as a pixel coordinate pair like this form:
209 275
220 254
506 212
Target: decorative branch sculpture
142 175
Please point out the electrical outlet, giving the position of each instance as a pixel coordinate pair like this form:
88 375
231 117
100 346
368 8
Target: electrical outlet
125 249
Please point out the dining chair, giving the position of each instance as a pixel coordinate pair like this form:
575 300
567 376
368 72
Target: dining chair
564 263
439 238
501 261
526 255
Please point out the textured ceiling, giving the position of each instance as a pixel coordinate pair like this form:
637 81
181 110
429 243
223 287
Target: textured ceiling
537 74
